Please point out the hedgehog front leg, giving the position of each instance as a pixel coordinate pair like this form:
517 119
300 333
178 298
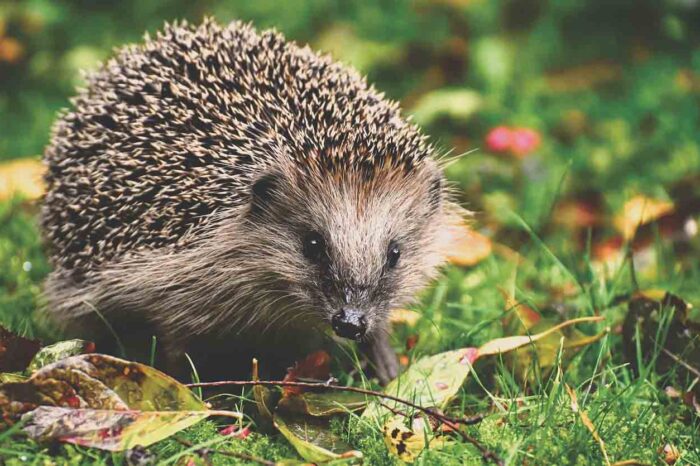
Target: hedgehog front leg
382 357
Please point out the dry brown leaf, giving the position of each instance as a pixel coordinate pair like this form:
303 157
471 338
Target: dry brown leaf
21 177
11 50
669 453
638 211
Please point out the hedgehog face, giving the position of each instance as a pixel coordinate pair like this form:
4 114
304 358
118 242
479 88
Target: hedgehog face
359 246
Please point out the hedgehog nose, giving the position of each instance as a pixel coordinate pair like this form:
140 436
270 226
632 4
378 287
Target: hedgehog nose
349 323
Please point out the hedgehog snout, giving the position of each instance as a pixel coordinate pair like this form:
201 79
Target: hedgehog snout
350 323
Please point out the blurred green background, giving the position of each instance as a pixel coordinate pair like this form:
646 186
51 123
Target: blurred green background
607 90
611 86
610 89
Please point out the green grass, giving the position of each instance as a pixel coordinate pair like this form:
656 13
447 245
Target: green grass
530 420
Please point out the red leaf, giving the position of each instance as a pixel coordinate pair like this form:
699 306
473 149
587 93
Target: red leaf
16 352
470 355
411 342
315 366
235 431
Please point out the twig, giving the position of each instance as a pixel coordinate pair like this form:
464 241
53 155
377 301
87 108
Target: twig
680 361
393 411
486 454
232 454
452 421
324 385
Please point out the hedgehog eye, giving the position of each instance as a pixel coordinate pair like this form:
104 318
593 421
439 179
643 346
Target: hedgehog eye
393 254
314 246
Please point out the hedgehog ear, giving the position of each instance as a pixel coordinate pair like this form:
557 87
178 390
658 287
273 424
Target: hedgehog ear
262 192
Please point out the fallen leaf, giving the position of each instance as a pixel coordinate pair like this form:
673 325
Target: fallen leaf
236 431
579 214
61 350
21 177
9 377
407 443
108 429
315 366
323 404
669 453
524 319
690 399
433 381
505 344
11 50
16 352
466 246
609 251
519 316
404 316
638 211
665 333
102 401
313 439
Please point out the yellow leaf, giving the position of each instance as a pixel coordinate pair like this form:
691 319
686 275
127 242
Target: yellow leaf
314 440
638 211
467 247
404 316
435 380
406 443
21 177
505 344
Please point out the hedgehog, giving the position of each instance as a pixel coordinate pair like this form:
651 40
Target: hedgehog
232 194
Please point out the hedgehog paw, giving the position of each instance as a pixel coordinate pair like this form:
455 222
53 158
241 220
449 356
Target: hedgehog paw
382 358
